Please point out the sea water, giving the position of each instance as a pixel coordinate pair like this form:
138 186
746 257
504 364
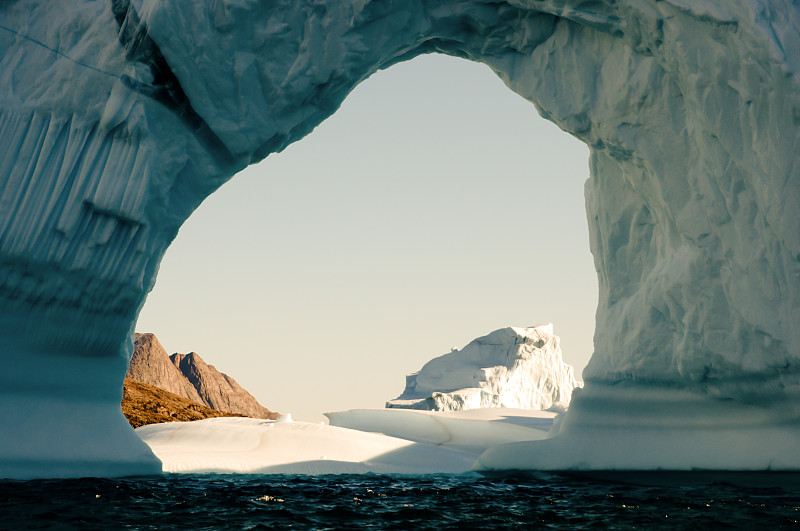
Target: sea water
178 501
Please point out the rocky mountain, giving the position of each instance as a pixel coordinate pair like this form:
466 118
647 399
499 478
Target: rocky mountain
145 404
188 376
152 365
218 390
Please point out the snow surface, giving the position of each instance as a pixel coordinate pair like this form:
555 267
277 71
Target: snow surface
378 441
510 367
121 123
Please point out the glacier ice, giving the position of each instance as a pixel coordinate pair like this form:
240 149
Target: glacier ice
647 427
510 368
474 430
255 446
385 441
123 115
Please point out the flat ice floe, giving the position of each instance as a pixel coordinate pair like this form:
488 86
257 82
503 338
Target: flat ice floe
469 430
378 441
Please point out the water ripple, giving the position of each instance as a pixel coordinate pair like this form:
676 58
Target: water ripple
385 502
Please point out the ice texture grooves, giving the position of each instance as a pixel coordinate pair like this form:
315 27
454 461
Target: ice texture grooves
64 205
120 118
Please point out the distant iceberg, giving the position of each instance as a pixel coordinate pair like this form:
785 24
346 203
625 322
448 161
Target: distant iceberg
510 367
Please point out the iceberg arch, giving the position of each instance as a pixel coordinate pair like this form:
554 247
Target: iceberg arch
123 115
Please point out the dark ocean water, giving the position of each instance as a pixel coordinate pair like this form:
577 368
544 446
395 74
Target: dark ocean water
387 502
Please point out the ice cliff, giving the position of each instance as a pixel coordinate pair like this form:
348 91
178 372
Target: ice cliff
118 117
509 368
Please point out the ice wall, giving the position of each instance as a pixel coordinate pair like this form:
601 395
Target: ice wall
118 118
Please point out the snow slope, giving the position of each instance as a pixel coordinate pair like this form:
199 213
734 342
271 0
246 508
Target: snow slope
121 117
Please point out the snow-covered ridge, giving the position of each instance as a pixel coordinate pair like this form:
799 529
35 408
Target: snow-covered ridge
510 367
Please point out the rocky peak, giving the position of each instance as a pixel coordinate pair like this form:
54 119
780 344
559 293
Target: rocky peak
188 376
151 365
218 390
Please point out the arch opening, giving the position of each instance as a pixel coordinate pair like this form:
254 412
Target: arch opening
433 207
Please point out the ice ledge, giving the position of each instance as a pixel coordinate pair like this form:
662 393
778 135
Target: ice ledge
636 427
56 437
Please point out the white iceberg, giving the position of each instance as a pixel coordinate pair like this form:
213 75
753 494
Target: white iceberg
358 441
510 368
255 446
119 118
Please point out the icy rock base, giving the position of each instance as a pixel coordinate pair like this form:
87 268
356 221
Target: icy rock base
628 427
510 368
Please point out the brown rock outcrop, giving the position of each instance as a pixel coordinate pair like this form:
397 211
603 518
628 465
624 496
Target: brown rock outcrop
150 364
145 404
218 390
189 377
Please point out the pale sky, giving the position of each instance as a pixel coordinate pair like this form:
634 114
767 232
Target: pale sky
434 207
